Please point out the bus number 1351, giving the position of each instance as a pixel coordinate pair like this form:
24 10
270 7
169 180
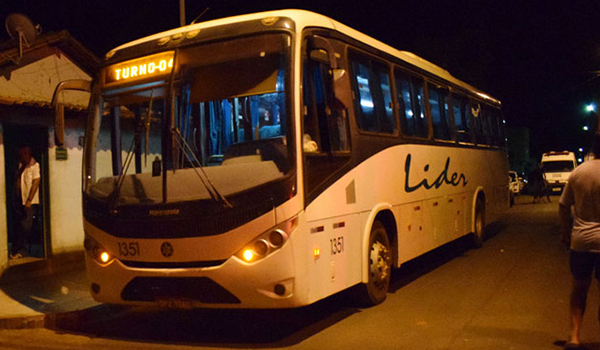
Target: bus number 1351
337 245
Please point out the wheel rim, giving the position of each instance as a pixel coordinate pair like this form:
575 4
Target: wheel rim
380 266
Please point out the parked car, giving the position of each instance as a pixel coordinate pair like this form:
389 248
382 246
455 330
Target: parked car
522 183
513 182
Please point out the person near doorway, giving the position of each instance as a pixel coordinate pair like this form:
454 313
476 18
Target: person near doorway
27 186
579 213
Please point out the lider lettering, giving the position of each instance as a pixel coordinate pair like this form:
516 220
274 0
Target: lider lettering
454 180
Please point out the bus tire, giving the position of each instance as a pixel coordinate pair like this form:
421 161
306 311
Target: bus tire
379 267
479 224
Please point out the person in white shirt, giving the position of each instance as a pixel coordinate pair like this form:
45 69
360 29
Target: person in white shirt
580 231
28 184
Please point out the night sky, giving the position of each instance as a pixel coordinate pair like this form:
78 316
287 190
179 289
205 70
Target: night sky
540 58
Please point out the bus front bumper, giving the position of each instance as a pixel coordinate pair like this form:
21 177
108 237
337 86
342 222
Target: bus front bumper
556 186
267 283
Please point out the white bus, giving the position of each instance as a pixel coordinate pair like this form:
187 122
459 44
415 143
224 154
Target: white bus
271 160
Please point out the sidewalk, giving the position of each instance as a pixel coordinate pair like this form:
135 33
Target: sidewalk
46 293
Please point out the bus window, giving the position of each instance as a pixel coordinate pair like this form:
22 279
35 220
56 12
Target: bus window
322 132
492 126
497 126
461 119
439 112
411 99
501 129
479 123
325 129
374 108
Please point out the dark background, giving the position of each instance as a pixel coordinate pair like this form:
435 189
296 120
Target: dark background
540 58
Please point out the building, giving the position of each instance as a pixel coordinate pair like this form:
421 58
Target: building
27 83
518 150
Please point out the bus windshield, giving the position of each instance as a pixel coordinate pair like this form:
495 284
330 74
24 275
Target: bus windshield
559 166
219 125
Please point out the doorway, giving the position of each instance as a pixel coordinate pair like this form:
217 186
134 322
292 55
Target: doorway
36 137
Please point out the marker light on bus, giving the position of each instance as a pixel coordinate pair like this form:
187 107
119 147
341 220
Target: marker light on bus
316 253
104 257
268 242
248 255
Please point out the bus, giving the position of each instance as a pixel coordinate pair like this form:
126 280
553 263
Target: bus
271 160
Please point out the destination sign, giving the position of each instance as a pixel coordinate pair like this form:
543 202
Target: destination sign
140 68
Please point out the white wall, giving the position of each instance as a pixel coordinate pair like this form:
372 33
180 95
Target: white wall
66 219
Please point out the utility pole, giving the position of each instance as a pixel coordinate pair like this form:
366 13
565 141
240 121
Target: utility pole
181 13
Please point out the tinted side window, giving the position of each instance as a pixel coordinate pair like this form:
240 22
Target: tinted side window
470 110
325 129
371 83
501 132
461 118
388 121
411 98
491 119
439 112
326 137
480 124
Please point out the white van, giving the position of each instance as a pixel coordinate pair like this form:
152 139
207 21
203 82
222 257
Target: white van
557 167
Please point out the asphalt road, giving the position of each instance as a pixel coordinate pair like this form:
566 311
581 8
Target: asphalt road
510 294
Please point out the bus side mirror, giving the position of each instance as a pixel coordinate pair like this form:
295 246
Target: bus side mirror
59 111
340 80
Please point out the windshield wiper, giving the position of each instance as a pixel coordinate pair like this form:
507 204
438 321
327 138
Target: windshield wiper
199 169
115 194
147 125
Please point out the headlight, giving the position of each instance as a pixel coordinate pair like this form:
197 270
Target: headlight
96 251
268 242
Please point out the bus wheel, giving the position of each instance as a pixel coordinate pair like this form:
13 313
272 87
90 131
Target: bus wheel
479 232
379 266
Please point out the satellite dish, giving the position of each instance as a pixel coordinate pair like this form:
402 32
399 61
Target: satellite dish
20 28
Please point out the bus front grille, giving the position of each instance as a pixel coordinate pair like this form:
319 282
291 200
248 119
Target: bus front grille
172 265
200 289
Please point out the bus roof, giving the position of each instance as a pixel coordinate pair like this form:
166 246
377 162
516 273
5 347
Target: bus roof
304 18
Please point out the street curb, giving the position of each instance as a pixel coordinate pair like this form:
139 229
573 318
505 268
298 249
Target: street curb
23 322
50 321
62 320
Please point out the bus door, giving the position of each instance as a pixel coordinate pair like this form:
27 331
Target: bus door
333 224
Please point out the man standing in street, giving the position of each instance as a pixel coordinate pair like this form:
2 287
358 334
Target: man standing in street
27 183
580 231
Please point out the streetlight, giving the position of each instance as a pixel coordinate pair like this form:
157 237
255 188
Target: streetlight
592 125
590 107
